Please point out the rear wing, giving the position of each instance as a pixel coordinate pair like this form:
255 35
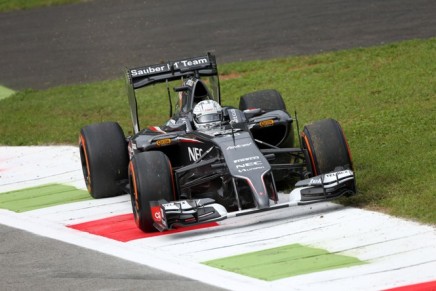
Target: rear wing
197 66
137 78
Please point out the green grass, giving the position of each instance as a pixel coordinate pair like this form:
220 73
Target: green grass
384 97
41 197
10 5
283 262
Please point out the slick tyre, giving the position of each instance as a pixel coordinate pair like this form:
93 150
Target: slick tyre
104 158
270 100
327 146
151 179
267 100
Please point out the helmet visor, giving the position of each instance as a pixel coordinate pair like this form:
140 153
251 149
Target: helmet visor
208 118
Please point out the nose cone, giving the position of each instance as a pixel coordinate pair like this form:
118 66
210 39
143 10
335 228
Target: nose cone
260 193
246 162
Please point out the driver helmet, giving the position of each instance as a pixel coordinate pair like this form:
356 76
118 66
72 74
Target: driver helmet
207 114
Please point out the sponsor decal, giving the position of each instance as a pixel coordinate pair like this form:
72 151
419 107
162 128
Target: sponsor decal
315 181
149 70
335 174
239 146
156 214
194 154
244 170
330 177
233 115
189 63
249 164
163 142
246 159
266 123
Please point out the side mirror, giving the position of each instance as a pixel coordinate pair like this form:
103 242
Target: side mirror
249 113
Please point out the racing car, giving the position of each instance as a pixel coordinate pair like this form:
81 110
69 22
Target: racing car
210 162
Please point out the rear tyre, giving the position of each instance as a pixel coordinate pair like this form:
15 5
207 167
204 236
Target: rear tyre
104 158
151 179
267 100
327 146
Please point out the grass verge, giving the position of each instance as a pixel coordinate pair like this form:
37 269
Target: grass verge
11 5
384 97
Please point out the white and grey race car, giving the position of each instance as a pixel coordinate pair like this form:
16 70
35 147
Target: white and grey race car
210 162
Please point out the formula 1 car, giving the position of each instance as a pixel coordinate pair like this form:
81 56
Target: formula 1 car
210 162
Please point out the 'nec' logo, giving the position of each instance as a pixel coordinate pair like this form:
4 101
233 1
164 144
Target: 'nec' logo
194 153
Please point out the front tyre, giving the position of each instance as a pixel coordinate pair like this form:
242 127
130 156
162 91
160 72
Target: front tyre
327 146
104 158
151 179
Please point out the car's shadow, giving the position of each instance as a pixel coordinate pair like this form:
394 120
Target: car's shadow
252 223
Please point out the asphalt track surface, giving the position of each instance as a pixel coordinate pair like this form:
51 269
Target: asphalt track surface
32 262
95 40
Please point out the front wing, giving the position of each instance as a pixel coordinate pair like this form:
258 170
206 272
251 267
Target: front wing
168 215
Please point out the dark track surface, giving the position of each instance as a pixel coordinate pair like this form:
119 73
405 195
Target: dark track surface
32 262
95 40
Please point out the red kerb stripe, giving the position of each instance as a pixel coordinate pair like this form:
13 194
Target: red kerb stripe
427 286
123 228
